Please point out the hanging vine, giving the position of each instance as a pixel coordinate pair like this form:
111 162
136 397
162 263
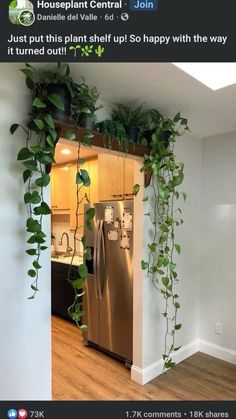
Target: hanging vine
167 176
37 156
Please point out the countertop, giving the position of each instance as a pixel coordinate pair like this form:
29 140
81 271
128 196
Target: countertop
77 260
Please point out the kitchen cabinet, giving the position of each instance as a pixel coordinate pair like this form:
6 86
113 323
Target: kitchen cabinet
60 188
62 291
115 175
128 178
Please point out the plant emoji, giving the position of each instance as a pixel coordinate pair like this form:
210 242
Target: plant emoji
74 48
99 51
86 50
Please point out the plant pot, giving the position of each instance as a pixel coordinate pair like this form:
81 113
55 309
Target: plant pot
62 91
132 133
87 121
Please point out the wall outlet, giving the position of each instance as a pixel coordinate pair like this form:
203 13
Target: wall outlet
218 328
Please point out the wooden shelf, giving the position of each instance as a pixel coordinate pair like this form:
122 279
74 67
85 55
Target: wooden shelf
98 141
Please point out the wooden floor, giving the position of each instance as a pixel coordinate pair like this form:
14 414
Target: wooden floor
81 373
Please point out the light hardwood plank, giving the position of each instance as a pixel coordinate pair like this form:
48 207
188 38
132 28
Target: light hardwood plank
81 373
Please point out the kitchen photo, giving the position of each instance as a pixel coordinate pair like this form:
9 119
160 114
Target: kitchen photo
119 208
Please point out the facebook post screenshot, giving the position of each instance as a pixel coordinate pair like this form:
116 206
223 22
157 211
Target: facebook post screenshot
118 209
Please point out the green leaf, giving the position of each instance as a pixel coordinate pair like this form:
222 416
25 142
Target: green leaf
79 283
36 265
43 247
145 199
31 165
31 252
27 72
37 103
32 240
177 248
70 135
32 198
83 271
49 121
176 349
172 266
84 241
29 83
184 195
44 180
53 134
176 117
56 101
178 179
39 123
165 281
177 305
43 209
178 326
144 265
169 364
152 247
83 177
164 228
33 226
34 288
136 189
50 141
13 128
89 224
90 213
32 273
26 175
24 154
84 110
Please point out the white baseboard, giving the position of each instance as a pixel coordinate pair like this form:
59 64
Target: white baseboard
143 376
217 351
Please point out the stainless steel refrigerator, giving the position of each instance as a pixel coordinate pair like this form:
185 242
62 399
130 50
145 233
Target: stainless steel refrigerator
108 298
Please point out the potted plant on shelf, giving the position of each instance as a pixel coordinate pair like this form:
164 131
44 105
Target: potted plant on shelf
56 84
84 105
132 119
113 131
158 130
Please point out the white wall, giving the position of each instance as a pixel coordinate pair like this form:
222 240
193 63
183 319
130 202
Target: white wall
218 244
24 324
188 150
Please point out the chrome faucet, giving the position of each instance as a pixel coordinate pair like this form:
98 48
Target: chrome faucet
68 248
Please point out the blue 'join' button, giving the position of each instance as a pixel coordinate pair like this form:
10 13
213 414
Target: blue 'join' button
143 5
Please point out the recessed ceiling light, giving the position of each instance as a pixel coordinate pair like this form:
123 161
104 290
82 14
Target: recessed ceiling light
66 151
213 75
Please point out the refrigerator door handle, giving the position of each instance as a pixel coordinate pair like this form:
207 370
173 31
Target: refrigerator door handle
100 259
95 256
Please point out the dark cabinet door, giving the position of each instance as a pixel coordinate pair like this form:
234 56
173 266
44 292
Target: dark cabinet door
62 291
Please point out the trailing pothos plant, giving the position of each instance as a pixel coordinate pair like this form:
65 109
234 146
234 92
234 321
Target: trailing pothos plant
37 156
165 216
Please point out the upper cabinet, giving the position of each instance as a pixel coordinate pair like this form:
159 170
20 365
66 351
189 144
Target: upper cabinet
111 180
115 174
60 188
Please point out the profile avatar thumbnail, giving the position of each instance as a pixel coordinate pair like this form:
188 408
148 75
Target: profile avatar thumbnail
21 12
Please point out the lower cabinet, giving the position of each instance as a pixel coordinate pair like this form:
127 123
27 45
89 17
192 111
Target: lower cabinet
62 292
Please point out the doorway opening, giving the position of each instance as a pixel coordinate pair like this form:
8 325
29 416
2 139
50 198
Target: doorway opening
113 175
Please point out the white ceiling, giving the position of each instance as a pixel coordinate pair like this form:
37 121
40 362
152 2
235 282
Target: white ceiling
167 88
